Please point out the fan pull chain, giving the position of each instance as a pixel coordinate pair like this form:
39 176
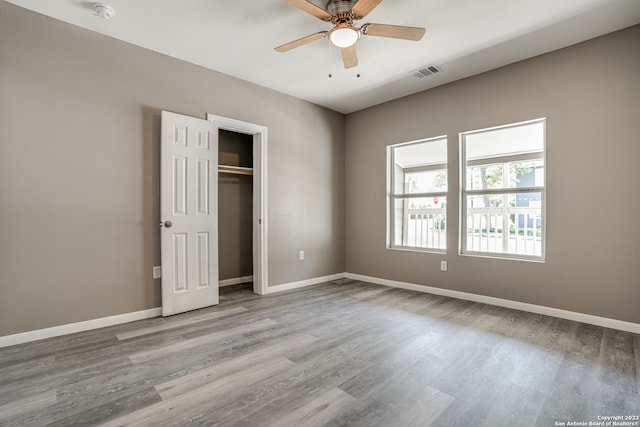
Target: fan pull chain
330 58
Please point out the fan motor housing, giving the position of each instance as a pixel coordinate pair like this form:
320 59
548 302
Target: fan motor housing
339 7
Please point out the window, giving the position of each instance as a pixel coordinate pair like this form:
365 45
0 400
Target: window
417 214
503 191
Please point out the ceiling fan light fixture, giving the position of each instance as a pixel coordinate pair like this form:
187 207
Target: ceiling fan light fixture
344 36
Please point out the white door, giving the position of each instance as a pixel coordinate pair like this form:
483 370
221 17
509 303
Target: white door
188 213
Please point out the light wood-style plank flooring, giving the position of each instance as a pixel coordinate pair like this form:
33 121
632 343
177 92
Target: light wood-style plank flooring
344 353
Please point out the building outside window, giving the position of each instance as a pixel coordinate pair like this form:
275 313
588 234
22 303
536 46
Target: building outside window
503 191
417 195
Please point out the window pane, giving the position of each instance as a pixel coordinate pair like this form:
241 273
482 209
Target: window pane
424 153
506 141
485 177
511 159
527 173
420 222
419 169
505 223
425 182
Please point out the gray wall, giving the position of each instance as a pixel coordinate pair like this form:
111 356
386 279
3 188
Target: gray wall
79 174
79 171
590 95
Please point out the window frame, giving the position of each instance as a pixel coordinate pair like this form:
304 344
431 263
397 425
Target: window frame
464 192
392 196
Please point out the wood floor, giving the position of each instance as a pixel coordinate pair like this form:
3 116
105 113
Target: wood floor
343 353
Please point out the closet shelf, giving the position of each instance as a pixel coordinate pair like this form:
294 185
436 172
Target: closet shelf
235 170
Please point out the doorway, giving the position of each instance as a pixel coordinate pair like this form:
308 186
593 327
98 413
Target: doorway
235 211
255 137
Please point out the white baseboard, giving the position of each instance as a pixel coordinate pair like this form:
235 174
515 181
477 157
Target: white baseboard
532 308
72 328
235 281
304 283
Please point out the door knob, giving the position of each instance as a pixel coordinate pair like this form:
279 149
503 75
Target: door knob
168 224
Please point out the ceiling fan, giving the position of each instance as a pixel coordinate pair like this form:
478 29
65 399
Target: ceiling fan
343 14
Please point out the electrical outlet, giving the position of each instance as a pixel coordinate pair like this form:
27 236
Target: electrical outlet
301 255
443 265
157 272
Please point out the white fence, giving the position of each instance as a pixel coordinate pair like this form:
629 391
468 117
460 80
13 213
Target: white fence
426 228
519 231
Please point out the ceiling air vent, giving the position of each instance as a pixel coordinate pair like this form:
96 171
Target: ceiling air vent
426 71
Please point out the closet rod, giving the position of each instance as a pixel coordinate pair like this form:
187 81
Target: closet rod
235 170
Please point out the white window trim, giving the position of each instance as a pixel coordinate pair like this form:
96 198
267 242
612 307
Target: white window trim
463 193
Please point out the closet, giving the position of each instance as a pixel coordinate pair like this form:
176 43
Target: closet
235 210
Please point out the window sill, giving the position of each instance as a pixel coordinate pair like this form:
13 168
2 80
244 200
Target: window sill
504 257
413 249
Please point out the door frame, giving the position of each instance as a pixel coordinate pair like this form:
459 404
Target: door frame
260 211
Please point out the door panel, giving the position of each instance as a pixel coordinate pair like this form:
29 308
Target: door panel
189 213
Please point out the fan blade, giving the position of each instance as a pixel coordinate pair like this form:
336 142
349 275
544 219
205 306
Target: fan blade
349 56
301 42
311 9
363 7
393 31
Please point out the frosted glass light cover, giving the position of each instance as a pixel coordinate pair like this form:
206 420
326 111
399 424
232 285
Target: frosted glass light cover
343 36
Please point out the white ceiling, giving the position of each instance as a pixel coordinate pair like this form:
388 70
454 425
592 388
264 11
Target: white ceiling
464 37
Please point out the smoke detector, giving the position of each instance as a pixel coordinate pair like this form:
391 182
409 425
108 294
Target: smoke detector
104 11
